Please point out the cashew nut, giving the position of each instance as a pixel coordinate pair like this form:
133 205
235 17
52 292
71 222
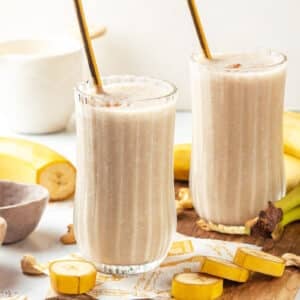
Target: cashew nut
69 237
30 266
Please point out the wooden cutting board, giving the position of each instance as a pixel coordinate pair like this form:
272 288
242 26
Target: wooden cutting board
259 287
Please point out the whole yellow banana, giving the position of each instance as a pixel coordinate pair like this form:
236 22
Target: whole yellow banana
30 162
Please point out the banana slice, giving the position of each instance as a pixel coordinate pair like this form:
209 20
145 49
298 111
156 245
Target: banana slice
259 261
224 269
59 179
30 162
195 286
72 276
181 247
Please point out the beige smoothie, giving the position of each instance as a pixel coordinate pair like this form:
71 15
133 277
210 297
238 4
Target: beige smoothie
237 155
125 210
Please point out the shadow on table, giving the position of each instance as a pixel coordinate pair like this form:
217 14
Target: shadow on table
39 241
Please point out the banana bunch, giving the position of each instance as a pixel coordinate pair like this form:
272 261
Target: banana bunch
29 162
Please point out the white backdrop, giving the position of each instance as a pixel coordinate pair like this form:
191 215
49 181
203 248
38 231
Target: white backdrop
155 37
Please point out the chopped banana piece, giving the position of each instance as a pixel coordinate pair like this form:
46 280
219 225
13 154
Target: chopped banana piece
224 269
259 261
72 276
195 286
181 247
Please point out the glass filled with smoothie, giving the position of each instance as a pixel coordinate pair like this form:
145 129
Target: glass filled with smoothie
237 152
125 215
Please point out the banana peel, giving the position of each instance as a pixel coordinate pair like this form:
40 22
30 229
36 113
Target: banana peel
30 162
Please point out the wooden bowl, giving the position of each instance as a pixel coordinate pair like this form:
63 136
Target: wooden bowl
21 206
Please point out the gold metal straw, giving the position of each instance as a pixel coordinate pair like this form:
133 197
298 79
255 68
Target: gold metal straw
89 51
199 28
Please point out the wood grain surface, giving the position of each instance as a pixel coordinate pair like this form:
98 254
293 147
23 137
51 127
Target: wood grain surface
259 287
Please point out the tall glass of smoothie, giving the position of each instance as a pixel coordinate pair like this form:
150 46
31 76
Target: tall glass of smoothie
125 214
237 152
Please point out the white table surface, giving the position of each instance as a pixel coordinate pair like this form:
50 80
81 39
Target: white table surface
44 243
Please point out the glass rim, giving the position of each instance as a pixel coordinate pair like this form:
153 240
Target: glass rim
195 59
127 79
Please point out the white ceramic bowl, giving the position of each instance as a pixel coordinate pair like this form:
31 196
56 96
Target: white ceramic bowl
37 78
